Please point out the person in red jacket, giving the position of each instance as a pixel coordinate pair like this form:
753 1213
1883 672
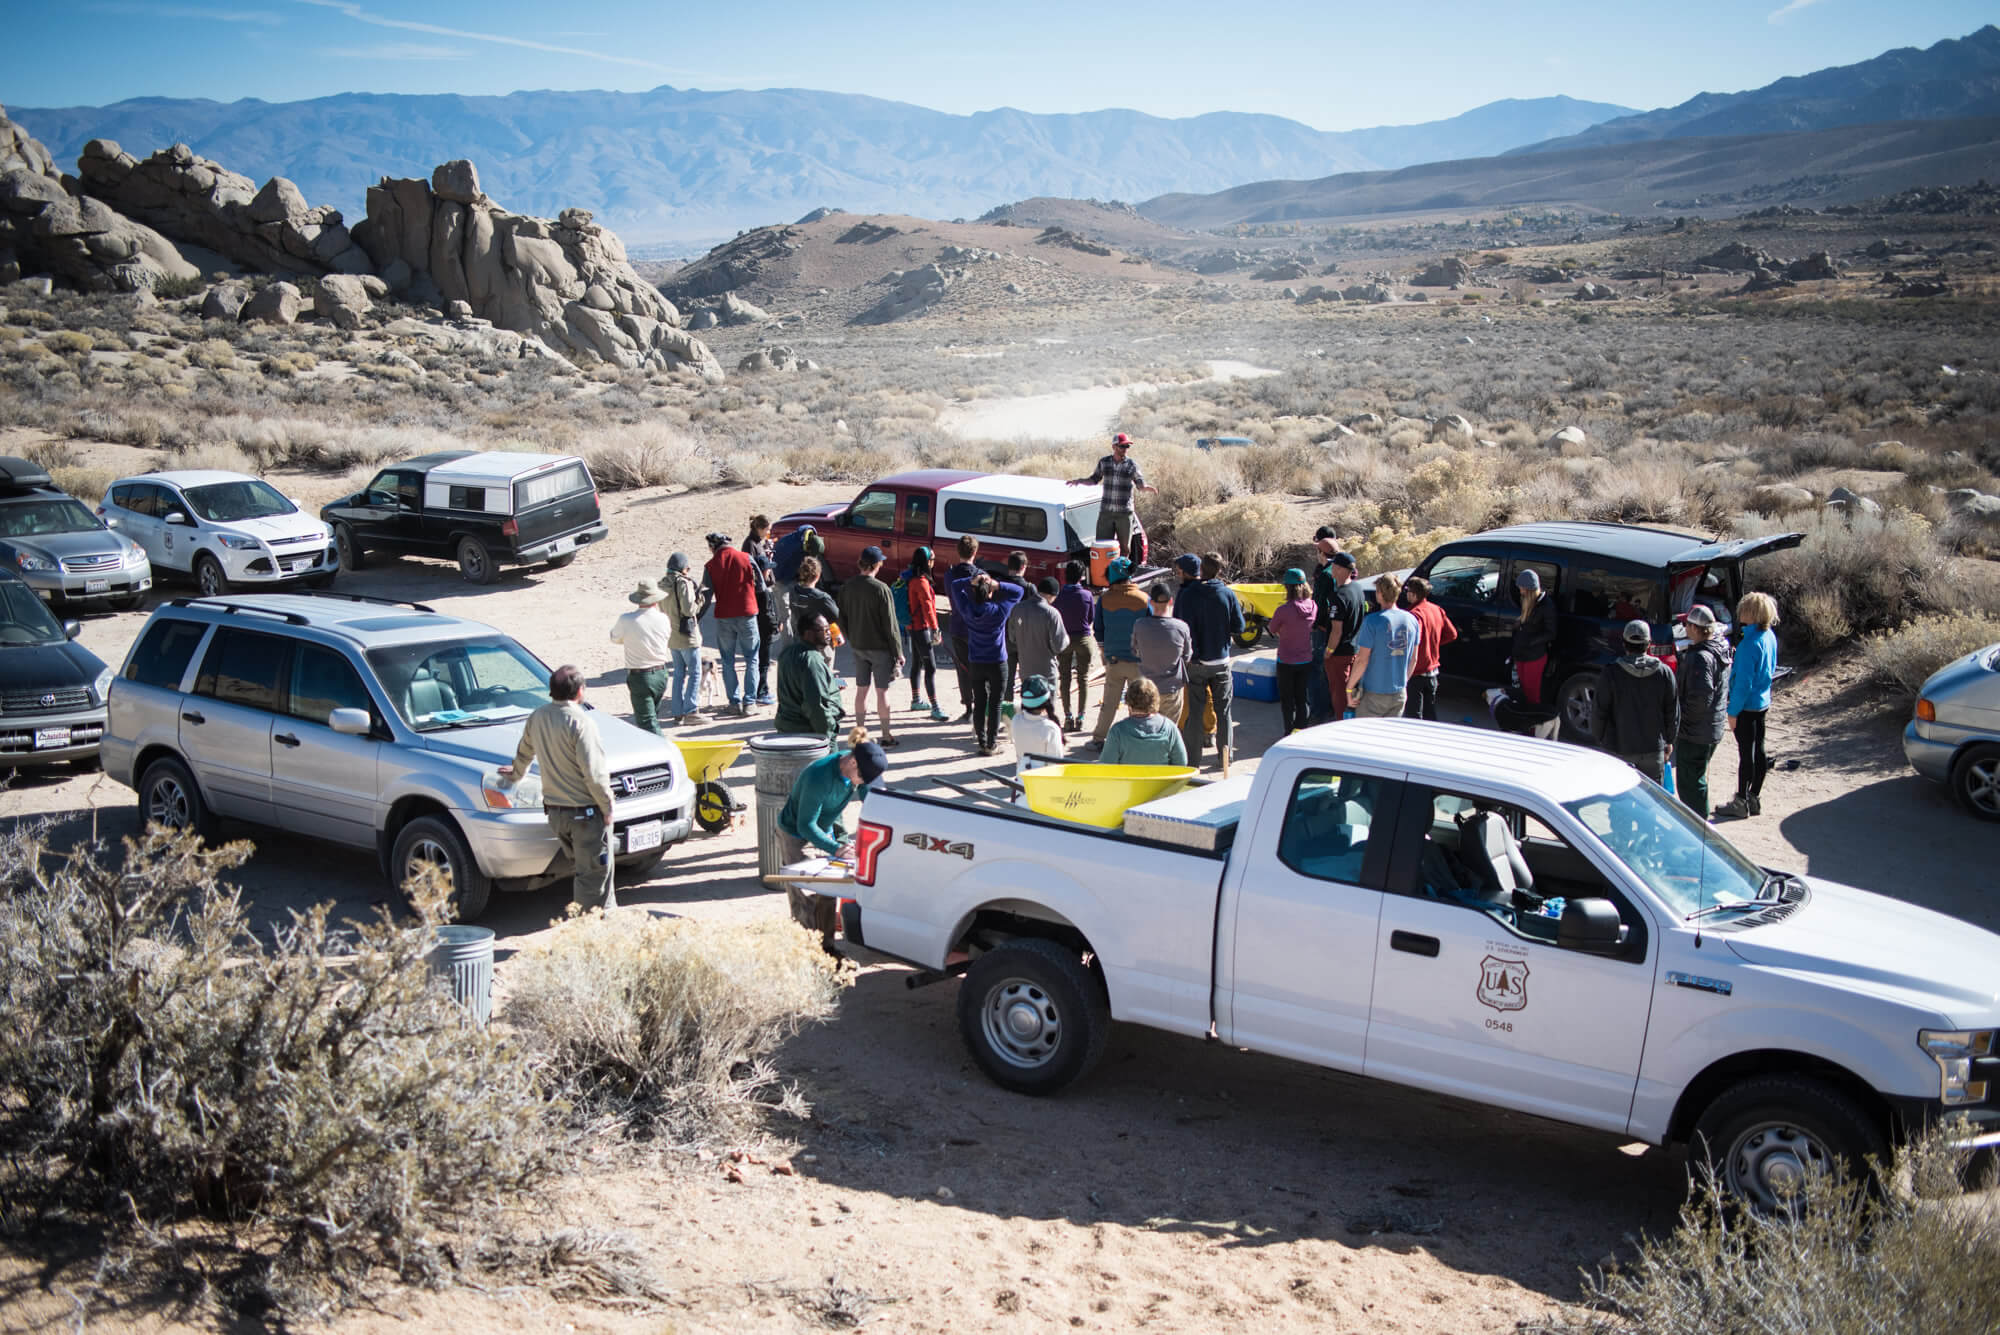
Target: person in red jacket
730 582
1434 632
923 634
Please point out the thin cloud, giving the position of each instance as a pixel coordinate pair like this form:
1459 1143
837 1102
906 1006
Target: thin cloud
1793 7
360 15
258 16
395 51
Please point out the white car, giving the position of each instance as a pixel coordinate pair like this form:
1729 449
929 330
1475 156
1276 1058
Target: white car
1519 923
223 529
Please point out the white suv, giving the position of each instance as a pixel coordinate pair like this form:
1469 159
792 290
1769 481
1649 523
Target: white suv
223 529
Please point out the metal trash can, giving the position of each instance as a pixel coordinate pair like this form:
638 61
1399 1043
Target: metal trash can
779 757
464 955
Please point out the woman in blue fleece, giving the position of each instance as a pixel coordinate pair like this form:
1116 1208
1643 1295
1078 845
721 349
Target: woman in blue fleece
981 604
1751 673
811 815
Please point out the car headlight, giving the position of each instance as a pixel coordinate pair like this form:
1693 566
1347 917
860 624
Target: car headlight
236 543
103 685
1926 711
34 561
521 794
1954 1051
134 553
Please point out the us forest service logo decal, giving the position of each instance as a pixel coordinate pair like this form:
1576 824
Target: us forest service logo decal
1503 984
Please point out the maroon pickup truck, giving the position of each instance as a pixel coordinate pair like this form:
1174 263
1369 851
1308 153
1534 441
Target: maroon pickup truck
1052 521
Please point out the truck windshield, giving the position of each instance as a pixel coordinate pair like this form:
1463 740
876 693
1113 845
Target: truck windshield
461 683
1687 864
233 502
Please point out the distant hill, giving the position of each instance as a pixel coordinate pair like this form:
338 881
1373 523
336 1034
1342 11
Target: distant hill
1680 175
683 163
1954 78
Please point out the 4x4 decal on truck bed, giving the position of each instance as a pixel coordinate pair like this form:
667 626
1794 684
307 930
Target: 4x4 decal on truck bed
930 843
1503 984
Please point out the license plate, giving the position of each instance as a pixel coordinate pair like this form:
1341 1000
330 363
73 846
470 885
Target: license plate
47 739
561 545
97 586
646 834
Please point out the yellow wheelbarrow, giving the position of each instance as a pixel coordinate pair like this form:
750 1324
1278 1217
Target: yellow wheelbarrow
714 807
1099 794
1260 603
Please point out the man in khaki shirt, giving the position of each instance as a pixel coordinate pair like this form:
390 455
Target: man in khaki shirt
576 785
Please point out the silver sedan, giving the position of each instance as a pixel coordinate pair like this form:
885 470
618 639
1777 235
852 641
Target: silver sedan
1954 736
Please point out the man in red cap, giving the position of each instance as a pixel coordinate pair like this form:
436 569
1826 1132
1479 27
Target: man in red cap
1121 477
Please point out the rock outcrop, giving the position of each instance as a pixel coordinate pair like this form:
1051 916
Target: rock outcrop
1595 292
910 293
1282 271
1817 265
280 303
1737 258
202 203
343 300
1367 292
1447 273
566 282
44 229
776 357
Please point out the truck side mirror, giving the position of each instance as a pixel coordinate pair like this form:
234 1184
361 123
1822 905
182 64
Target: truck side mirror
1592 926
72 629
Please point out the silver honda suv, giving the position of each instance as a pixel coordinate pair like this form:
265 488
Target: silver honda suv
368 722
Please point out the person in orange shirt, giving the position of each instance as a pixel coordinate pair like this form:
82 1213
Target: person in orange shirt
1434 632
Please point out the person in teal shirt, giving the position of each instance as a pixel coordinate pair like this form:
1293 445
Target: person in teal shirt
811 815
1143 737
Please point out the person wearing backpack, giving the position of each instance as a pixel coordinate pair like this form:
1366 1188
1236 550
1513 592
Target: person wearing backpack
786 553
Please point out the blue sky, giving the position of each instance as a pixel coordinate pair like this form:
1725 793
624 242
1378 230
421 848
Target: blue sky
1332 65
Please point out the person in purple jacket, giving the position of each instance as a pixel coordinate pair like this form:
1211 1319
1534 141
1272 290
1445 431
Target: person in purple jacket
986 603
1077 606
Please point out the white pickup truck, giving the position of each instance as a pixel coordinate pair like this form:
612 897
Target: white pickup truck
1520 923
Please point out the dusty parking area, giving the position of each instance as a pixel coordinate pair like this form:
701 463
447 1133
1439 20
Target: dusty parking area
1183 1187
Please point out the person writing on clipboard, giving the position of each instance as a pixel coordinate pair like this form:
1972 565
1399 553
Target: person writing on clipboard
811 815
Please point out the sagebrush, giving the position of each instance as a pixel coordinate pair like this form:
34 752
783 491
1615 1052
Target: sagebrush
1902 660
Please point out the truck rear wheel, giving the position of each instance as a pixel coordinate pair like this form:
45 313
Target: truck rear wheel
475 562
1765 1136
1033 1016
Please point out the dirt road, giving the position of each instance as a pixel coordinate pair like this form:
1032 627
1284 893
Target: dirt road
1183 1187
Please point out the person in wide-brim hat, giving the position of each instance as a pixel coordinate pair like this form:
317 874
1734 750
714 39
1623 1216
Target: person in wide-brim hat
648 594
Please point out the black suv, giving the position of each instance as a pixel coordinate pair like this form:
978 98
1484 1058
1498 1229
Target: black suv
51 689
1601 576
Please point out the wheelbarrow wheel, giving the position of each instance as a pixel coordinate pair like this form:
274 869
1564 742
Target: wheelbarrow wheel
713 806
1253 630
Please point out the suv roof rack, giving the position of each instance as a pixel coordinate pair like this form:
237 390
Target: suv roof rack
289 618
362 598
22 474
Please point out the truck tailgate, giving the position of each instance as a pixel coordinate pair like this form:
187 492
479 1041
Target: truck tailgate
1146 909
553 504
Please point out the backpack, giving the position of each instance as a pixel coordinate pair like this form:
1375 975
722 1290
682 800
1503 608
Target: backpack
786 555
899 592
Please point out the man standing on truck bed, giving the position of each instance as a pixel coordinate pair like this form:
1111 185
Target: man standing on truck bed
868 618
576 785
1121 477
1117 612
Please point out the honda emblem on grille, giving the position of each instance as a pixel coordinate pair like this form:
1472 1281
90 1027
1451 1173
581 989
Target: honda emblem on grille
628 783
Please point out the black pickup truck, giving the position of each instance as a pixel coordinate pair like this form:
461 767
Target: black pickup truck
484 510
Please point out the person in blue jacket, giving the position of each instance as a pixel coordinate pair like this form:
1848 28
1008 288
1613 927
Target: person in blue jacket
981 604
812 813
1751 673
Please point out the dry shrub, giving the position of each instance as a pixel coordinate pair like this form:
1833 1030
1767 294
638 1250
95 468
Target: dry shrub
1187 479
669 1021
318 1093
1453 491
212 354
1879 569
1297 469
86 484
1903 660
1387 548
749 468
1916 1257
1361 466
1247 530
1819 619
70 341
225 458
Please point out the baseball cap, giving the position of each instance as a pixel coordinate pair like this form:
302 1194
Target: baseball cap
1638 632
1527 580
1119 570
1035 691
870 759
1294 576
1121 439
1699 615
1189 562
1160 593
1345 560
870 555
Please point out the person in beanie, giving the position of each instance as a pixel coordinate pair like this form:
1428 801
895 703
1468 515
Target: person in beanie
961 654
646 634
1434 632
811 817
1214 618
1349 610
1384 652
1121 478
868 618
1036 631
922 602
1752 672
1165 649
1703 688
1145 736
731 581
1319 702
786 553
1533 634
682 606
1121 608
1077 606
1637 713
1034 729
1292 623
808 696
983 603
576 786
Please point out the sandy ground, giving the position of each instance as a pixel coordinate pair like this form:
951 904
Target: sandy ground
1182 1187
1070 415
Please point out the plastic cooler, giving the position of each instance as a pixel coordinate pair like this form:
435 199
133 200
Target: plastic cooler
1255 676
1103 551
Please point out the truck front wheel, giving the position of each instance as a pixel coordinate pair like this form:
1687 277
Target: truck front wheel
1765 1136
1034 1017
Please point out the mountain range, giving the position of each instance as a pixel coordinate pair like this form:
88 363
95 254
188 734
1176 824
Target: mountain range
675 163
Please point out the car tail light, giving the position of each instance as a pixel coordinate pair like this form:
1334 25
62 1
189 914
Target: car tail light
869 841
1926 711
510 529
